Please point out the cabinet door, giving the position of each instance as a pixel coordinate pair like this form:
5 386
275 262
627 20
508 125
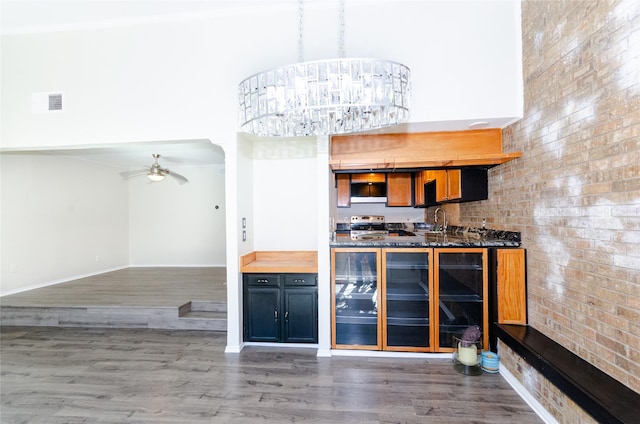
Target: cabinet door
454 184
461 284
418 185
399 189
262 310
440 176
511 286
473 184
300 315
343 185
355 298
407 299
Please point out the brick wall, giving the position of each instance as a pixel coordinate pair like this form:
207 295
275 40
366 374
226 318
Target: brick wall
549 396
575 193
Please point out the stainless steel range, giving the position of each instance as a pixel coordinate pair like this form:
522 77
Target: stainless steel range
368 227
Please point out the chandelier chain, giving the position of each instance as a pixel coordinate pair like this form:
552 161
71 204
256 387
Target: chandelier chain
342 28
300 31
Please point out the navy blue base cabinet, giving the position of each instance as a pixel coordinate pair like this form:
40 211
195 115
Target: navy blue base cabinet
281 308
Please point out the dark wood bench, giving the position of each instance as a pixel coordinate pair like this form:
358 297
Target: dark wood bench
603 397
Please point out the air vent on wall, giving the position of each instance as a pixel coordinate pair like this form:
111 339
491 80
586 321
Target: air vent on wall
46 102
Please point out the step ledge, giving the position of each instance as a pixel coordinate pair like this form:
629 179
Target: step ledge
597 393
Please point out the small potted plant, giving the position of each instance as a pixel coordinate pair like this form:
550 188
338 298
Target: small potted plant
466 358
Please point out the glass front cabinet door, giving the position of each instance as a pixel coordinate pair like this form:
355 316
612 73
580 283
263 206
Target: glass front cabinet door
461 286
407 299
355 298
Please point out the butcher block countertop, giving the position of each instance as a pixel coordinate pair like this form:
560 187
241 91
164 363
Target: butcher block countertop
280 261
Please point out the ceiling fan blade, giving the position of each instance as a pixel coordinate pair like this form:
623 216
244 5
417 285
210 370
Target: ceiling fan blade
173 159
129 174
181 179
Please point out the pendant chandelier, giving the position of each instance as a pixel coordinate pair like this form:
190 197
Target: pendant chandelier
325 97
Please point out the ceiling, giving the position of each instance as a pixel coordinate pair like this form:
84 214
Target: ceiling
29 16
131 156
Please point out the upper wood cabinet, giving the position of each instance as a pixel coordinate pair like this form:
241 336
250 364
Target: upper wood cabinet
457 185
419 150
399 189
447 184
343 184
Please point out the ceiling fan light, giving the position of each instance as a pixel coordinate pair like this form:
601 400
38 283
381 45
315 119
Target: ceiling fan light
155 177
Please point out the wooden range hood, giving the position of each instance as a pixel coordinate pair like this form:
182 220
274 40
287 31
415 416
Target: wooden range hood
447 149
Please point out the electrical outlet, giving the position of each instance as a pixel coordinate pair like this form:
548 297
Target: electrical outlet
244 236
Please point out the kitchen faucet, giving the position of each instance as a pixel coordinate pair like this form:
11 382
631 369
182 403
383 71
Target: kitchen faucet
444 219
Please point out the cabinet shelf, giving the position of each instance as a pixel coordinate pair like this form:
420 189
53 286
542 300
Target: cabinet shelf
343 280
412 322
462 266
356 318
460 298
412 291
453 329
406 266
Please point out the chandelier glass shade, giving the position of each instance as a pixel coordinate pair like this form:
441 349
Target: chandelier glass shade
325 97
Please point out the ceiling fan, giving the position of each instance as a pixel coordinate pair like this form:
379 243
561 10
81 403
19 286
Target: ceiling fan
155 172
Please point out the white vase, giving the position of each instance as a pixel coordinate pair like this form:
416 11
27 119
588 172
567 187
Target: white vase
468 355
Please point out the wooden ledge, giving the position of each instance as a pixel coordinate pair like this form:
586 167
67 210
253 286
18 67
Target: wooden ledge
603 397
277 261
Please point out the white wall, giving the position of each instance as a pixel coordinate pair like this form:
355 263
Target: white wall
178 80
60 218
240 192
285 194
64 218
178 225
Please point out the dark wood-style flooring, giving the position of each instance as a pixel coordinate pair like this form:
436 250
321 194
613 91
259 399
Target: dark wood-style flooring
69 370
133 287
91 375
162 298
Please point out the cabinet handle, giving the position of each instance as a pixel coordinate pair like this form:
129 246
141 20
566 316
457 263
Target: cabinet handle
286 316
299 281
262 280
275 313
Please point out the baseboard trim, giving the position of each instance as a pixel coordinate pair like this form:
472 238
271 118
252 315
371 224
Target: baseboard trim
389 354
176 266
233 349
537 407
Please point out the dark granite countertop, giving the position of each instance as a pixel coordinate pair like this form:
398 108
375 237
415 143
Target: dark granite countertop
456 237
